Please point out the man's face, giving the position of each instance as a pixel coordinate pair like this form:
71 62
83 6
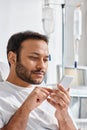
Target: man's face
32 64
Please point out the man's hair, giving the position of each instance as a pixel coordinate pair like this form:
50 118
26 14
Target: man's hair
15 41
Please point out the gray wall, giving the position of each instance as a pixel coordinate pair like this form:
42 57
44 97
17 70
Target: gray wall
18 15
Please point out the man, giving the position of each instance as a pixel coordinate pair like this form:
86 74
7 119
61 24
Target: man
24 104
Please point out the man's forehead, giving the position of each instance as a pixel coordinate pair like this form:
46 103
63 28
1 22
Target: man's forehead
36 45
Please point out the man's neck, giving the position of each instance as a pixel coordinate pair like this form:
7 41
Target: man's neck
18 82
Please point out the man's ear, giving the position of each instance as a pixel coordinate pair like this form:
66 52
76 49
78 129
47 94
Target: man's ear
12 57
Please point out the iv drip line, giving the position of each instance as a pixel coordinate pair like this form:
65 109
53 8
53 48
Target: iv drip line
76 48
77 33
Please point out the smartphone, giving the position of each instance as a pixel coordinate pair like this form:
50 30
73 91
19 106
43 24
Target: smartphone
66 81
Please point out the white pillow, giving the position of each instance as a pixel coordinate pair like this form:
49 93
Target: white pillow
4 70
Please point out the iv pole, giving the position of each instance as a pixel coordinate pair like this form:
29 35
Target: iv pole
63 30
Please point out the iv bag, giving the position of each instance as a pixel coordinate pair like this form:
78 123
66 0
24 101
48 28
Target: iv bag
77 23
48 20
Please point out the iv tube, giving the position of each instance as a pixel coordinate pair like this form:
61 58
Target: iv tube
76 57
77 33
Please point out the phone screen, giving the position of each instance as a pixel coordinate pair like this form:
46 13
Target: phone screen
66 81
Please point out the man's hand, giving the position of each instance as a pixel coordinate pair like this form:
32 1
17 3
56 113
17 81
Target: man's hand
59 98
37 96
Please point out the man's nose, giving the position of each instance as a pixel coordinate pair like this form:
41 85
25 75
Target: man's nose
41 64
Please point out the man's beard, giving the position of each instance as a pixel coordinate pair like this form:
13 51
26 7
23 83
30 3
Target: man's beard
26 75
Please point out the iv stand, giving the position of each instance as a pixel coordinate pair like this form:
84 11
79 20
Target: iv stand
63 18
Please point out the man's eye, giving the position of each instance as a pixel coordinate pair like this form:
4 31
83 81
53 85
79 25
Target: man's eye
46 60
33 58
